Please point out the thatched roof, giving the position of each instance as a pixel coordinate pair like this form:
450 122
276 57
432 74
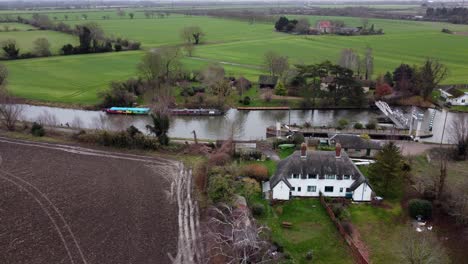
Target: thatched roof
316 162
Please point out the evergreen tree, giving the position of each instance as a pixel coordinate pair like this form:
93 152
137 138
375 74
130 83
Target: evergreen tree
386 174
160 127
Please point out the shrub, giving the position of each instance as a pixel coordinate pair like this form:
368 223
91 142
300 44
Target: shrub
246 100
371 125
37 130
298 139
256 171
358 126
219 159
258 209
280 89
220 189
342 123
420 207
250 187
117 47
279 210
309 255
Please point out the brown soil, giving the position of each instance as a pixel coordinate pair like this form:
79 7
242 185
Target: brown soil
69 207
461 33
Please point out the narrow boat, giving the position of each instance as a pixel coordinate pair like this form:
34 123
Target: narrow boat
196 112
127 110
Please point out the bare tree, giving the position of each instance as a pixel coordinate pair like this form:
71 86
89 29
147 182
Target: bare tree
350 59
302 26
276 64
236 238
192 34
3 76
459 134
160 67
189 49
10 113
422 248
368 63
42 47
214 78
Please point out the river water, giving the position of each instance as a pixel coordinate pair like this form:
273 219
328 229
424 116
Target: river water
246 125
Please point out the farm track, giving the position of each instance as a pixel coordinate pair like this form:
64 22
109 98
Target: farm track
68 204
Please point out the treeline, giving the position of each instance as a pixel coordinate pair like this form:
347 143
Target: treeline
237 14
457 15
91 38
407 80
337 27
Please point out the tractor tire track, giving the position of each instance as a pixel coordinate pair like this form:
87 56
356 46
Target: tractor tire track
66 235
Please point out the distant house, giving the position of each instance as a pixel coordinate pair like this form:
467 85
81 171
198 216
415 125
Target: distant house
324 26
455 96
267 81
309 173
356 146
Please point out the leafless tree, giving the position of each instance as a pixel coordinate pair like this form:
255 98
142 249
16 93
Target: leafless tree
46 118
422 248
10 113
431 73
302 26
42 47
192 34
160 67
189 49
368 63
235 237
213 77
276 64
350 59
3 76
459 134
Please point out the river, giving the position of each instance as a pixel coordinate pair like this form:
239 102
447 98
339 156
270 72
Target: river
245 125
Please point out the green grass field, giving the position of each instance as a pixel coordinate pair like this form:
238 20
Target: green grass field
15 27
25 39
78 78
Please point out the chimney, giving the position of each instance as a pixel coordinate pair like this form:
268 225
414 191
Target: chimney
338 150
303 150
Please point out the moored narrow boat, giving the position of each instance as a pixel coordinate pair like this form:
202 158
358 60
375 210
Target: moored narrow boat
128 110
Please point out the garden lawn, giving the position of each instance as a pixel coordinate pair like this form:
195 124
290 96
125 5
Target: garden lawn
312 230
380 230
25 40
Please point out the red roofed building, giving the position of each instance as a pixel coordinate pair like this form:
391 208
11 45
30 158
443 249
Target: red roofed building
324 26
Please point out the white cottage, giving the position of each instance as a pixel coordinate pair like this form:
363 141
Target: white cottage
309 173
455 96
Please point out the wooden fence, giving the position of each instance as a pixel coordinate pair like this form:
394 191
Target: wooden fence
358 256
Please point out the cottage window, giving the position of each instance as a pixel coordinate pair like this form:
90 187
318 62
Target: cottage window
328 188
298 189
311 188
330 177
312 176
304 176
293 189
295 176
289 176
348 190
346 177
341 189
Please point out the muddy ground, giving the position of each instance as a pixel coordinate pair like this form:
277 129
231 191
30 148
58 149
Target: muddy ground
61 205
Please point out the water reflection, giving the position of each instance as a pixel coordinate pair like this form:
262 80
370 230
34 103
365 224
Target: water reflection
242 124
